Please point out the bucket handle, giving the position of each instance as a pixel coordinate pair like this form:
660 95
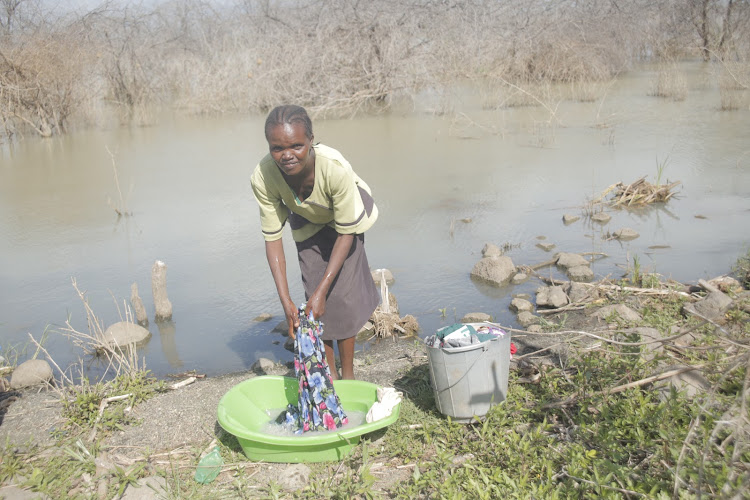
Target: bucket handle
484 351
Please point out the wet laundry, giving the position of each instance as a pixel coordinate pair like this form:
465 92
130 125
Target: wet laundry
318 406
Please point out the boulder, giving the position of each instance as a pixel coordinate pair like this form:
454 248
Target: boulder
551 296
124 332
568 260
491 250
476 317
626 234
30 373
263 365
494 270
520 305
712 306
624 312
577 292
519 278
570 219
525 318
580 273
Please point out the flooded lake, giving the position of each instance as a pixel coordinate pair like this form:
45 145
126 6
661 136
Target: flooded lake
513 172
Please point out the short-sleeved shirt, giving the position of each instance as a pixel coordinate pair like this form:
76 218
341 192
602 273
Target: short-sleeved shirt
339 199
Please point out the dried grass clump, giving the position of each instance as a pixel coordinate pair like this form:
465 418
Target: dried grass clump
392 325
640 192
670 83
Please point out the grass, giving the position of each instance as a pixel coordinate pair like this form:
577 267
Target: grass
587 428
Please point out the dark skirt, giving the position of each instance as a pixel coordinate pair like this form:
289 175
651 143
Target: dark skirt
353 295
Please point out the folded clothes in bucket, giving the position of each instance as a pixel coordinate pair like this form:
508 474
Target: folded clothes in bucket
461 335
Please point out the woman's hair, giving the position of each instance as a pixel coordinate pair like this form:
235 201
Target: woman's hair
289 113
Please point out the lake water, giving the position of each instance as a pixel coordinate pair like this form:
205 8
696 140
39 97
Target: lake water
514 172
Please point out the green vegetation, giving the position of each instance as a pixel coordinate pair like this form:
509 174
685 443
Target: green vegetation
742 269
600 422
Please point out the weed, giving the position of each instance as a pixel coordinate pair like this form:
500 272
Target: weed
741 269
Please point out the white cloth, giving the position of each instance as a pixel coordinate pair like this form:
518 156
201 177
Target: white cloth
388 398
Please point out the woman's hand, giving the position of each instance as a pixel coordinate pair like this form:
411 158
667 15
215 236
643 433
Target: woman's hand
316 304
292 316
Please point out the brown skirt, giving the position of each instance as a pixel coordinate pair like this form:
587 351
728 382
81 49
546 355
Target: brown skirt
353 295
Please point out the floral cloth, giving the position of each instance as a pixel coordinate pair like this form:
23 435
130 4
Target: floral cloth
318 407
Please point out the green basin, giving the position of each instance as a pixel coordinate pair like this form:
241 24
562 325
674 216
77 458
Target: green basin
242 412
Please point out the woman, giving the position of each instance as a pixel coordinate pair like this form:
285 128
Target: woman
329 208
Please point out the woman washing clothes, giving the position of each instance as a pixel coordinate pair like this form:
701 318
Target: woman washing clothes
328 208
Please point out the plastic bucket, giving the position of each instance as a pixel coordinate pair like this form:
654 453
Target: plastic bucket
468 381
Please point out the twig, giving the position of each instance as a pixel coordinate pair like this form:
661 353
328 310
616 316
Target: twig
587 481
102 405
620 388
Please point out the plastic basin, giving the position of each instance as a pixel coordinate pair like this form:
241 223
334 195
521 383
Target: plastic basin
242 412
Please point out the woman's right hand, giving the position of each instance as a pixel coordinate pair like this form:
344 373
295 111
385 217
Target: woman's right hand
292 316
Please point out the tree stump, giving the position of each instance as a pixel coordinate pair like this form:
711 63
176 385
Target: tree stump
140 310
159 288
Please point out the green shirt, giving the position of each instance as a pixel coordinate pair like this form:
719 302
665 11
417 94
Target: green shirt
336 199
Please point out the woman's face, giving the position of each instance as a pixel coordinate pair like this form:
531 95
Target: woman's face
290 148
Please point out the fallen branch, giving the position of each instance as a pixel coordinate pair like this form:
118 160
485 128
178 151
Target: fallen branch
102 405
624 387
183 383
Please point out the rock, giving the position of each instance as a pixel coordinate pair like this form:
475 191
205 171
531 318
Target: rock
491 250
601 218
494 270
295 477
282 327
690 382
519 278
726 284
546 246
263 365
476 317
568 260
712 306
551 296
648 334
377 273
570 219
102 488
520 305
534 328
30 373
16 493
580 273
367 328
103 465
577 292
148 488
289 344
262 317
525 319
624 312
626 233
124 332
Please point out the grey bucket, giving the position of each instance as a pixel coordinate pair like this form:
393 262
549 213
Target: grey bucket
468 381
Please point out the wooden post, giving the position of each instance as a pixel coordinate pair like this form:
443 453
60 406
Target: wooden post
140 311
159 288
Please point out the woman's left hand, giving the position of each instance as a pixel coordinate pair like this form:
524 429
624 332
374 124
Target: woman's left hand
316 304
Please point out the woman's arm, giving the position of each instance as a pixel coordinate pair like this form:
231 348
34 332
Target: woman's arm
341 248
277 263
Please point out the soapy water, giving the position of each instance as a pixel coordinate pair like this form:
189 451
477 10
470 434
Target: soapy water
271 428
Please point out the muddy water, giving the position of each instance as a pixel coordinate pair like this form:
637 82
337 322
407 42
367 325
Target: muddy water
512 172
